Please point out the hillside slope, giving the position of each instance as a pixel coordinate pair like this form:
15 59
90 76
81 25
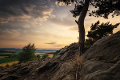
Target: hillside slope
100 62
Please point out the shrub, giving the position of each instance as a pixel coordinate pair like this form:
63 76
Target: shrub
27 54
45 56
89 42
38 57
97 30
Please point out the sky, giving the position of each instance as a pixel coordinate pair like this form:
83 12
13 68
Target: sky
44 23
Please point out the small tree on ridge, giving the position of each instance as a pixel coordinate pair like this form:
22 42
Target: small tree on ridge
27 54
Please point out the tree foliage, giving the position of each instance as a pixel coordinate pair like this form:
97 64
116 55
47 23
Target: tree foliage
97 30
103 7
27 54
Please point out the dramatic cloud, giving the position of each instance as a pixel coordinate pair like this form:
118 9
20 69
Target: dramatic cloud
20 7
10 10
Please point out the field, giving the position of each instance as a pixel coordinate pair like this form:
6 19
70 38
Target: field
4 60
50 55
9 63
9 58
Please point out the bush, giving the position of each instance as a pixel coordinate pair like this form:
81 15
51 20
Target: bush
89 42
97 30
27 54
38 57
45 56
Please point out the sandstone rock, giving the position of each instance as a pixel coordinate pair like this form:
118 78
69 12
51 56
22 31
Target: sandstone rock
10 77
46 66
63 71
69 77
62 51
102 59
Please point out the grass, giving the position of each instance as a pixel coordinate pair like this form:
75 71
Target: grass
77 62
4 60
50 55
9 63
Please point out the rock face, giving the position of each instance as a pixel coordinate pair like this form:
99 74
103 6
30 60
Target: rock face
100 62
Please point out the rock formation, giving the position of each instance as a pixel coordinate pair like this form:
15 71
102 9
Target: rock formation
100 62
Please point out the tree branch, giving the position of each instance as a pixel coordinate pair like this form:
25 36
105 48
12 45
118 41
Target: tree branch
76 21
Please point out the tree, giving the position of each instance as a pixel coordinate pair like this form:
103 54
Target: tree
98 31
27 54
104 8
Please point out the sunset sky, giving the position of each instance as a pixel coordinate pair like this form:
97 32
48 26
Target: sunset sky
42 22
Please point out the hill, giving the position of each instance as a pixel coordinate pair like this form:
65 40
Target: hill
100 62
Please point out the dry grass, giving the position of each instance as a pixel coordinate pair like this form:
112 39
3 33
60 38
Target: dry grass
9 63
77 62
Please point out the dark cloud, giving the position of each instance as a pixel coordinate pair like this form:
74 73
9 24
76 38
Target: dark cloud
22 14
51 43
55 44
10 8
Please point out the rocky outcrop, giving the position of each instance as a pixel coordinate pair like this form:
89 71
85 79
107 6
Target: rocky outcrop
100 62
57 68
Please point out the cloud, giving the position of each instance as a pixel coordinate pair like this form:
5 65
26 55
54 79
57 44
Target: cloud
51 43
63 16
19 8
54 44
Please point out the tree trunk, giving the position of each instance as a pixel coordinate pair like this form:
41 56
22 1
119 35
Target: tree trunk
81 26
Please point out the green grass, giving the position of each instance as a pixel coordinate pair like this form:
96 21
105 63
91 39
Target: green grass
2 53
4 60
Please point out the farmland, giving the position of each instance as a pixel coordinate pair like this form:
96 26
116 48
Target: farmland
4 60
9 63
9 56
